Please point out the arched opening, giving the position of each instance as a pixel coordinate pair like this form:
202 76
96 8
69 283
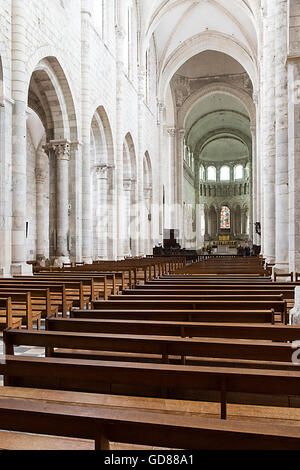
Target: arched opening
103 196
130 232
51 166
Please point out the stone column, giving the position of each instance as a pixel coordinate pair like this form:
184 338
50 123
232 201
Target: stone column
140 241
62 154
19 95
269 134
254 185
111 213
120 35
127 187
146 222
180 182
86 45
102 211
172 132
294 163
281 186
42 215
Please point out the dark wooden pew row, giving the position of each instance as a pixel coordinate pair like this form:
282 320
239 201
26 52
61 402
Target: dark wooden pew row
96 285
135 295
61 293
40 299
149 290
151 380
178 329
214 315
92 345
133 426
78 291
21 307
279 306
7 320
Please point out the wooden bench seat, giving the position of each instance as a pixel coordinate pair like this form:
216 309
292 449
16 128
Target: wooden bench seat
8 320
123 304
151 380
148 428
66 344
222 316
186 291
177 329
21 307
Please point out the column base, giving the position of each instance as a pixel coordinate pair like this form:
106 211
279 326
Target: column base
60 260
22 269
87 260
281 268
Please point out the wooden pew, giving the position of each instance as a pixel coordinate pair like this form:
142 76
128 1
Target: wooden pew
279 306
40 299
133 426
7 319
177 329
21 307
220 316
74 290
92 345
182 290
161 380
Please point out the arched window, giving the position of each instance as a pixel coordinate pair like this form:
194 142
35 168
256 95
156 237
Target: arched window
211 173
239 172
201 173
225 173
225 218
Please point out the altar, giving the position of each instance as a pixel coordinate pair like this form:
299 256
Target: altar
225 246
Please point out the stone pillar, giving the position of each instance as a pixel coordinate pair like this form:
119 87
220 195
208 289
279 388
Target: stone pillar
19 95
254 186
180 182
269 134
281 186
140 241
127 187
146 222
172 132
62 154
102 211
120 35
86 45
42 215
294 163
111 215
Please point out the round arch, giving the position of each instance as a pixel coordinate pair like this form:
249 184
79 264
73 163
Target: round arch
208 40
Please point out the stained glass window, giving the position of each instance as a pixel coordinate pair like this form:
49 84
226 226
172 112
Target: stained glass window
225 218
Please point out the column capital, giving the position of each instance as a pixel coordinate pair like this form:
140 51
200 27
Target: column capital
172 131
101 171
62 149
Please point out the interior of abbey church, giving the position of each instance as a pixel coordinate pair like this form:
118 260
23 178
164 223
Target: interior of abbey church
149 226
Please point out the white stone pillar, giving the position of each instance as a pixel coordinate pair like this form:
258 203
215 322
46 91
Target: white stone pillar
102 211
120 36
19 95
281 186
127 188
62 154
180 182
42 215
87 220
172 132
269 134
140 241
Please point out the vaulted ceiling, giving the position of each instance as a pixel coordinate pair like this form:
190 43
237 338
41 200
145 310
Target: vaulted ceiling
172 22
